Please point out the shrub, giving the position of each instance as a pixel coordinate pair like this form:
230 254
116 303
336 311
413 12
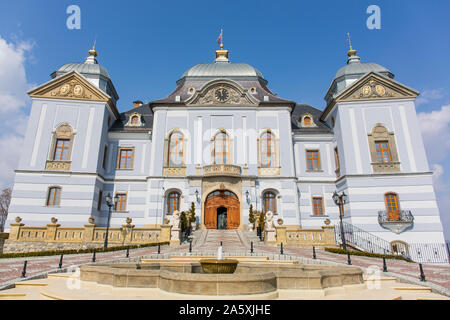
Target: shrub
367 254
251 214
192 217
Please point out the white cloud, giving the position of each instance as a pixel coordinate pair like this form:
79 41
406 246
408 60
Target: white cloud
13 82
13 103
435 128
429 95
436 133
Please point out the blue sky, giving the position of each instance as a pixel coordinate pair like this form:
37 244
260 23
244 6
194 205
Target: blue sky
297 45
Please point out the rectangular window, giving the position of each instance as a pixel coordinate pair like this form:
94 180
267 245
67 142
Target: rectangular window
61 150
125 158
121 204
100 198
317 203
54 197
105 154
383 151
312 160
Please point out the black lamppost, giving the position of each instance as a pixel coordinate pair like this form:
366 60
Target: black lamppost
110 204
340 200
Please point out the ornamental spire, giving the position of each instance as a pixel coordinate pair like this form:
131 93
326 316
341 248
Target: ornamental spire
350 52
352 57
92 54
222 54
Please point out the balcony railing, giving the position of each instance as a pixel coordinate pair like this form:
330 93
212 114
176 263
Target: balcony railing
397 222
222 170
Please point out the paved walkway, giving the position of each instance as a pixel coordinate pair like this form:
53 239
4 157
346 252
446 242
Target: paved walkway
11 269
208 241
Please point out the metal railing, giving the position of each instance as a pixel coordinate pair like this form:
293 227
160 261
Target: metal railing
403 216
418 252
361 239
429 252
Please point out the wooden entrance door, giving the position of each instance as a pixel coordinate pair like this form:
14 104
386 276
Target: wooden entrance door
217 201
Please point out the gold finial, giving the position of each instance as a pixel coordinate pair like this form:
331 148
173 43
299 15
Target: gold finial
350 52
92 52
221 54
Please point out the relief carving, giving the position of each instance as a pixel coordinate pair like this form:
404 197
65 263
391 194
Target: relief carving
220 94
71 89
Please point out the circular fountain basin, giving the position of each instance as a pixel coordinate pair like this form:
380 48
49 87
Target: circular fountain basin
218 266
189 277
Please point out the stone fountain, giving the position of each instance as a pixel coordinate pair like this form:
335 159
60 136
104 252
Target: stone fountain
219 265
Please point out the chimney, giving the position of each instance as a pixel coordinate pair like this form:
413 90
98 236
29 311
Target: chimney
137 103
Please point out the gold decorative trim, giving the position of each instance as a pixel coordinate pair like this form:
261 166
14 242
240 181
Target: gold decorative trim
236 95
269 171
58 165
375 87
221 170
174 171
71 86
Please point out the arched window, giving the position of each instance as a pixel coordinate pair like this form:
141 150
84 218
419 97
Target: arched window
173 202
221 149
307 121
54 197
269 202
134 120
383 150
267 150
176 149
392 206
62 143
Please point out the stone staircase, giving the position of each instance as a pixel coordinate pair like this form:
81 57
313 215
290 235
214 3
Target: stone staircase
208 241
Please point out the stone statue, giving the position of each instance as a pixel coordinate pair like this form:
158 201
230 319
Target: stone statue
176 219
269 226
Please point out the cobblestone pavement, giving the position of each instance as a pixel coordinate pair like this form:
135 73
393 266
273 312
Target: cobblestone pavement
233 241
11 269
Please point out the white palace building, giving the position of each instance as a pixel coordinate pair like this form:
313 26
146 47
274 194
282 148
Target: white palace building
223 141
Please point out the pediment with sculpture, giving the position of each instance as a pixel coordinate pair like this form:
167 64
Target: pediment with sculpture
376 87
222 93
71 86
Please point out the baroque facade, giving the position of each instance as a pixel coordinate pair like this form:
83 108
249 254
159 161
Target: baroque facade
223 141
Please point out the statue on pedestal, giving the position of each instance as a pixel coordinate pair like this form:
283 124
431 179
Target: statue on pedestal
269 221
176 219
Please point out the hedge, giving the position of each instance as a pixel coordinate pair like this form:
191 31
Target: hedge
75 251
367 254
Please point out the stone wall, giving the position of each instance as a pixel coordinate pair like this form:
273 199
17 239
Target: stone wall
3 237
301 237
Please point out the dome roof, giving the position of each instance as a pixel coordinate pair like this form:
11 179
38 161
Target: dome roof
361 68
84 68
220 69
353 71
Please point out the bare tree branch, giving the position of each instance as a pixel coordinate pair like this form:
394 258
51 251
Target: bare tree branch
5 200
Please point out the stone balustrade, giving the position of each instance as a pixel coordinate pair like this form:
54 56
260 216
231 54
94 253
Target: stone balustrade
90 235
305 237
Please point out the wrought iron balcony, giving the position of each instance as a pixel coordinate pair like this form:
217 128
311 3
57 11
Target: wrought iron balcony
397 222
222 170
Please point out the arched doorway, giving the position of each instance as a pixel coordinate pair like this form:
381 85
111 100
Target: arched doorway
222 210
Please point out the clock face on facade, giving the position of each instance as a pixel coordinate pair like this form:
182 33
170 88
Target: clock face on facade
222 94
